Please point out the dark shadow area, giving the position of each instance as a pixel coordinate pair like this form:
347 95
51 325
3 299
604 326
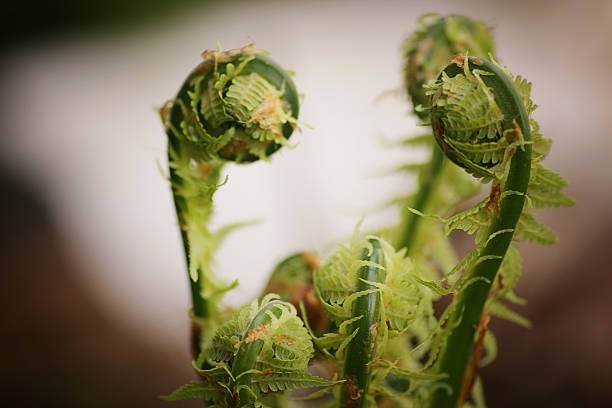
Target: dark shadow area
28 22
58 348
564 360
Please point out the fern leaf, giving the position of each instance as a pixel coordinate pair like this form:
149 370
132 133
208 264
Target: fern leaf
470 220
196 389
227 336
523 86
483 152
509 275
490 348
545 188
245 93
531 230
541 145
411 167
502 311
471 113
286 381
211 104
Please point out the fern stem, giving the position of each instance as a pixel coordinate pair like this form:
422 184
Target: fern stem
200 306
362 347
427 185
471 300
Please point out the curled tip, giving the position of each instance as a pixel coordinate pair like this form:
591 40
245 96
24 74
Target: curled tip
477 115
236 105
428 50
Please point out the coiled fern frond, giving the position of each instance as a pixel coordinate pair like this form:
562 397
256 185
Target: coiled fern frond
236 105
480 116
263 349
377 299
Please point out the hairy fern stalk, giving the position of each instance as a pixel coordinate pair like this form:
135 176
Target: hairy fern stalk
358 328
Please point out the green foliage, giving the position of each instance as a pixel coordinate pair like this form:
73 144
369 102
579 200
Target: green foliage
195 184
479 129
404 298
236 105
544 188
367 321
195 389
406 312
272 333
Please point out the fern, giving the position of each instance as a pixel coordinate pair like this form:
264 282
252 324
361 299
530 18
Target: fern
469 126
531 230
367 320
405 310
545 188
263 348
196 389
286 381
237 105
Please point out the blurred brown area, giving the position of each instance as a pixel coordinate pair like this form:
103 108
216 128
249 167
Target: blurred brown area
565 359
58 348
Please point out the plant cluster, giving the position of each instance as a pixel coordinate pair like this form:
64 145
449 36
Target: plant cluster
361 327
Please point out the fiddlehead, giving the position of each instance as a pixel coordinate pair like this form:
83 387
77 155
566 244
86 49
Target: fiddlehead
373 294
263 349
480 119
236 105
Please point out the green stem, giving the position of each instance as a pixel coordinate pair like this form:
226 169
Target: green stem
201 308
360 350
246 358
471 300
427 184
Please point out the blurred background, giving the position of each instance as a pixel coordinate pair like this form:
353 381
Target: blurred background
94 294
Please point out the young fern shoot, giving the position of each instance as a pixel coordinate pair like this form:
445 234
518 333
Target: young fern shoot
374 296
239 106
263 349
480 119
368 310
236 105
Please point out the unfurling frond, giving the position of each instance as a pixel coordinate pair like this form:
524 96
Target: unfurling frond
404 298
263 348
236 105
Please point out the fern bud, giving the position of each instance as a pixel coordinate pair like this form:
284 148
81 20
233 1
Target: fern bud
373 294
472 120
263 349
428 50
238 105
